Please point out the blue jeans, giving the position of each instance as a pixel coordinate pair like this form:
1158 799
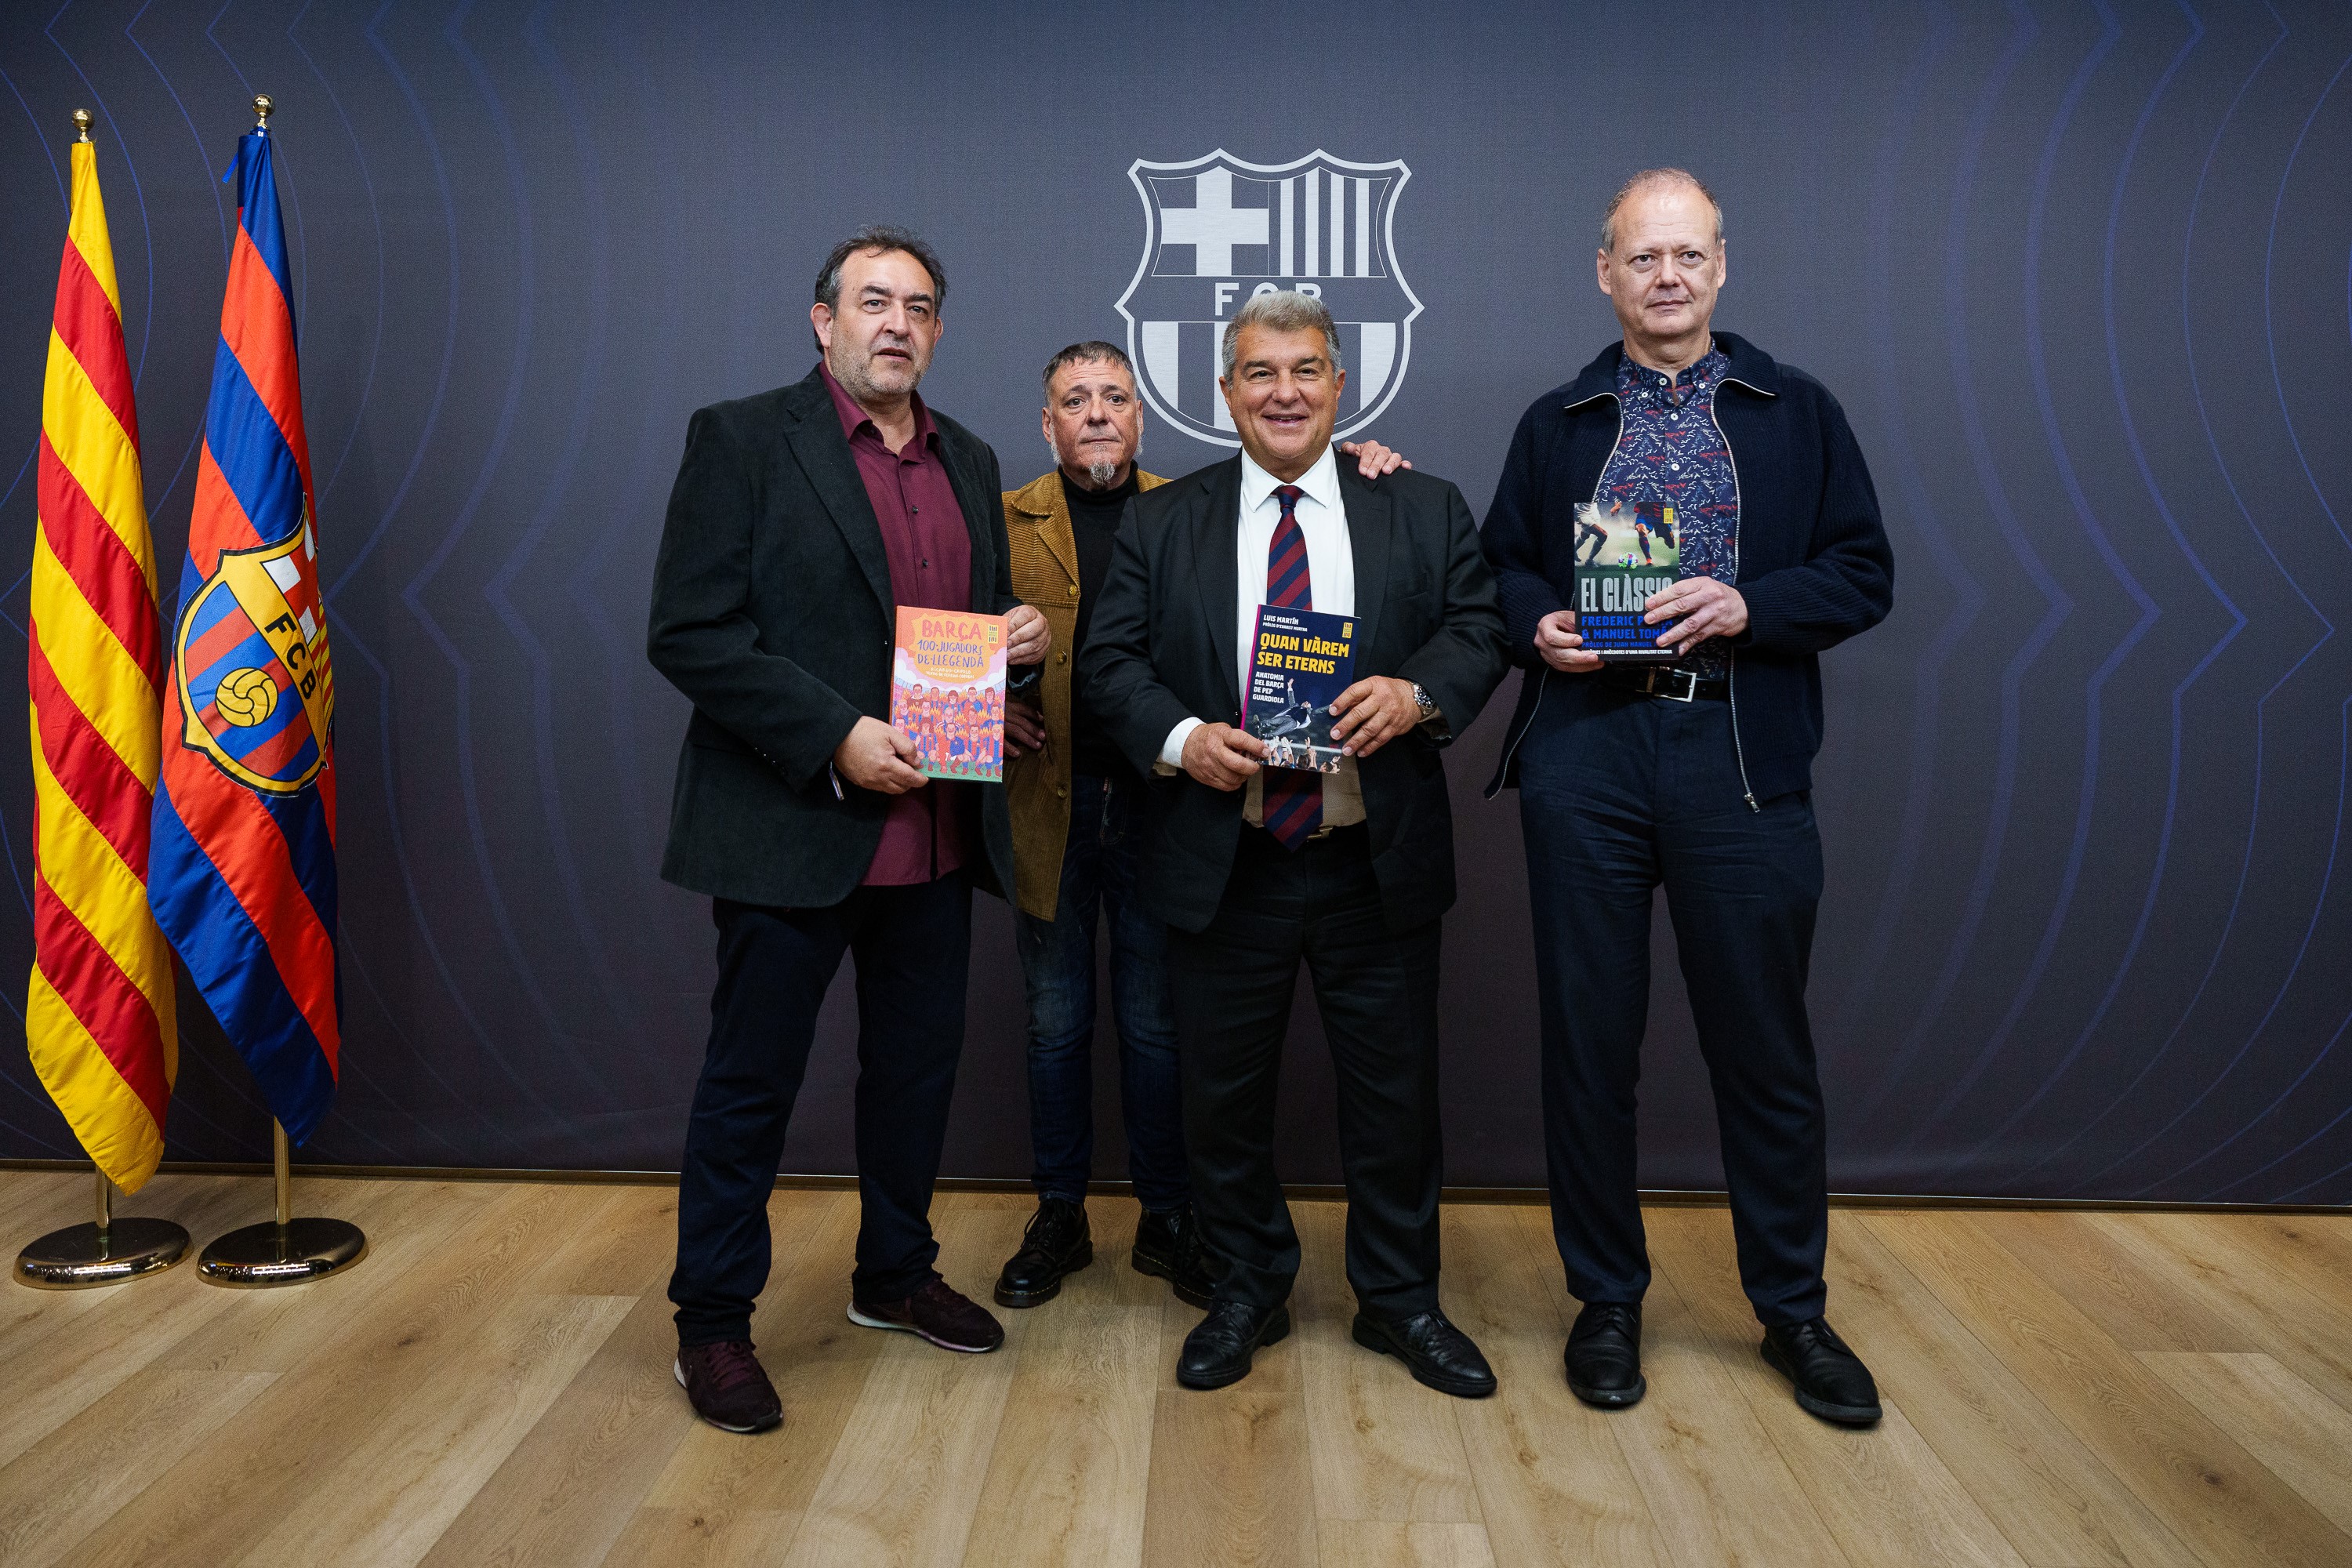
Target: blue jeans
1057 961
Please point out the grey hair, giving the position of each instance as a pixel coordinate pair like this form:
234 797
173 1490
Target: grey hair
1094 350
1282 310
1643 181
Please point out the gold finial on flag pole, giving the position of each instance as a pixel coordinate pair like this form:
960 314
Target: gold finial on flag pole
81 124
262 105
283 1250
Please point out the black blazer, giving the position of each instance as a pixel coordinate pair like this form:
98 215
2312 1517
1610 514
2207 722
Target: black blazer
772 612
1161 649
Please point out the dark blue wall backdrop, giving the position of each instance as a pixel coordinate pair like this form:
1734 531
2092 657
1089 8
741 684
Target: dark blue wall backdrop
2079 272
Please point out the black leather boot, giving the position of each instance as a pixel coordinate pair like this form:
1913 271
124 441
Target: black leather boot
1169 1246
1057 1245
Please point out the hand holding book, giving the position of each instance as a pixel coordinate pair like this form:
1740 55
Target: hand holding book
1372 713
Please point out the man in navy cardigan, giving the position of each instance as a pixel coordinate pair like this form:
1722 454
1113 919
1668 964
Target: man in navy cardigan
1694 774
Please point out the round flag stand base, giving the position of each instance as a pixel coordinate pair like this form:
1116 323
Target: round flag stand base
291 1254
286 1251
83 1256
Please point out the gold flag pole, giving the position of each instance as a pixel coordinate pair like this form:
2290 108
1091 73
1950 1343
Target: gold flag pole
106 1252
109 1251
284 1250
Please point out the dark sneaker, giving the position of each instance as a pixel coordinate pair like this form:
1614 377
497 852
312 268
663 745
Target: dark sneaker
1830 1379
1219 1351
727 1387
1438 1356
938 1313
1055 1244
1604 1355
1169 1246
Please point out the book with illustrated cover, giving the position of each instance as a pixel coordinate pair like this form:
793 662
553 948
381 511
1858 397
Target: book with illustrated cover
1623 555
946 691
1301 662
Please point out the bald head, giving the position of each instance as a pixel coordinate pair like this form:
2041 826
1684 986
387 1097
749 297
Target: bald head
1661 263
1652 181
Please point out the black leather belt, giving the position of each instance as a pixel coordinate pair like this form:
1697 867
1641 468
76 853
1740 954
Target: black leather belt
1666 682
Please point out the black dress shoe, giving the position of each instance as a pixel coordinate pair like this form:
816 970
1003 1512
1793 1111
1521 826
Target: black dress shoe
1438 1354
1831 1379
1055 1244
1169 1246
1604 1355
1218 1351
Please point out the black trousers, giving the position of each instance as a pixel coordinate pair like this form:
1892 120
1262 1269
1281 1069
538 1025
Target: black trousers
1641 793
912 946
1376 991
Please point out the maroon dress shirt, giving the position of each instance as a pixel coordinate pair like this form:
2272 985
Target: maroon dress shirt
929 550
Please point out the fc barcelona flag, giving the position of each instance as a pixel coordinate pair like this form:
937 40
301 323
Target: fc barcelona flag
242 869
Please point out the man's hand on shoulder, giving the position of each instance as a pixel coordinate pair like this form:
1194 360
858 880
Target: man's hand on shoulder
1373 459
875 757
1222 756
1026 636
1559 646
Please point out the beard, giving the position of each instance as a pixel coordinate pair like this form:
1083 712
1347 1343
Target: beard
1101 473
872 378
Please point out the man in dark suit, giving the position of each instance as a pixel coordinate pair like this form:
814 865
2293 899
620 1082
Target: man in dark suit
801 520
1256 868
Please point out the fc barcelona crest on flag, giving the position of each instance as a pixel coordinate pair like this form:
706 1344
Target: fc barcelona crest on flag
1217 230
257 692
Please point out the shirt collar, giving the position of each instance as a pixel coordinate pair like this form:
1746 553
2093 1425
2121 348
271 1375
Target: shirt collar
1321 482
854 419
1704 372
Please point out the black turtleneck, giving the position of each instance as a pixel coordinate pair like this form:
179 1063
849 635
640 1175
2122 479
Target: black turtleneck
1094 523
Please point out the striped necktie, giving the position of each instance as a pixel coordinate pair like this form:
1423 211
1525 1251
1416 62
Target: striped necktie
1292 797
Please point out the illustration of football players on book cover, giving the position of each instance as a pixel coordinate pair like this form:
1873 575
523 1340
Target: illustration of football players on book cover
1623 555
946 692
1302 662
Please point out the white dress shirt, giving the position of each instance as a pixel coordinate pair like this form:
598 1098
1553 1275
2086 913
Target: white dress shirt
1331 579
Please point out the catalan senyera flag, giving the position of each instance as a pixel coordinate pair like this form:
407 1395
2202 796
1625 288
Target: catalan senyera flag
98 1021
243 870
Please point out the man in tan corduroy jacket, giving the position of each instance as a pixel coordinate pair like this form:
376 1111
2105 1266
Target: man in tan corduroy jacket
1077 808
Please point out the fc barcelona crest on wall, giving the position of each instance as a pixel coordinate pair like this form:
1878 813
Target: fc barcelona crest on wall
1217 230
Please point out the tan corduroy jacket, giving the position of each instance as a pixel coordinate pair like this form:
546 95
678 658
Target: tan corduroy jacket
1044 555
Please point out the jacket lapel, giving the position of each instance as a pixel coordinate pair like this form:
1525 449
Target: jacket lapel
1372 535
824 455
978 506
1050 505
1215 533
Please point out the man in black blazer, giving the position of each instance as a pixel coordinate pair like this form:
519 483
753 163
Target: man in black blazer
801 520
1258 868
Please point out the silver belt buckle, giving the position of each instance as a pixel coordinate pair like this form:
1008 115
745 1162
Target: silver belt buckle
1689 683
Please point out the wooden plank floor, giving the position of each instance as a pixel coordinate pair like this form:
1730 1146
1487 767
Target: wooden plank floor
492 1385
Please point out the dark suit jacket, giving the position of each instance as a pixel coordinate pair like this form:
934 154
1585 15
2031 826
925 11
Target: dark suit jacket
771 611
1161 649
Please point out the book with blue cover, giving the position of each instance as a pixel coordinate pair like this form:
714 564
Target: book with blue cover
1623 555
1301 662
